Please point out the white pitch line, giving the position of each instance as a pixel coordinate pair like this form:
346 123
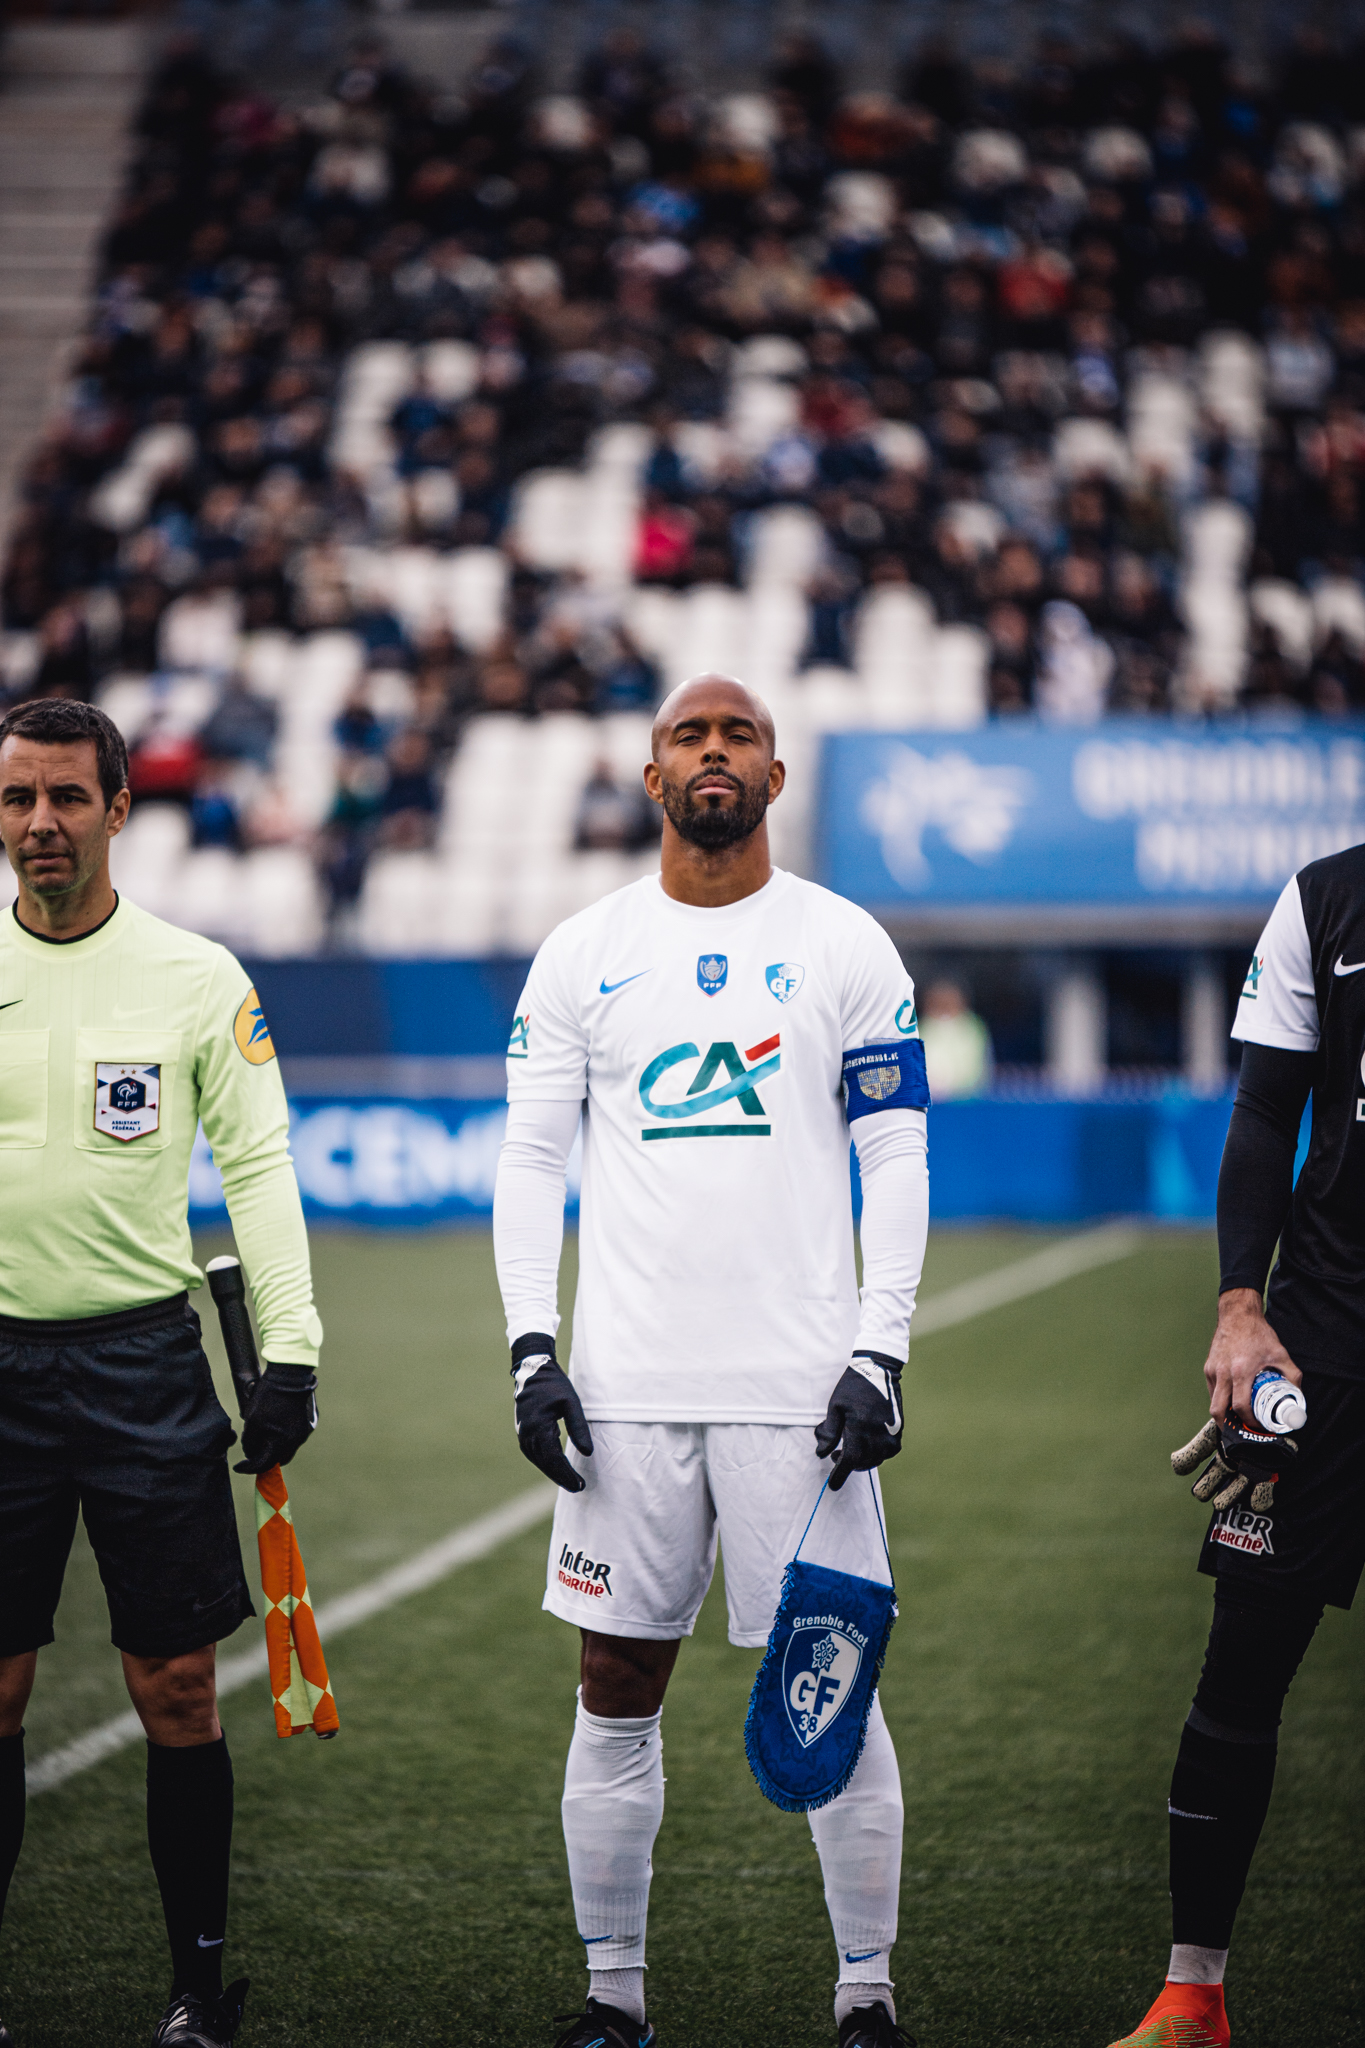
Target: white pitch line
437 1561
1022 1277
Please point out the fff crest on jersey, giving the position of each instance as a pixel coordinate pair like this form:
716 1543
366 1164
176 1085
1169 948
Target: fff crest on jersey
712 969
127 1100
784 978
818 1673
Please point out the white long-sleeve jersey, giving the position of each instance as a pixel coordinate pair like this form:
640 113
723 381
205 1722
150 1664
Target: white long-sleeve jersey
718 1060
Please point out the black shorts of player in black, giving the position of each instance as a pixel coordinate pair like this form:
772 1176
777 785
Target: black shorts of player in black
115 1417
1303 1022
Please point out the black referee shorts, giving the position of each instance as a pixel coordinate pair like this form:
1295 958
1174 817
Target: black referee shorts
116 1416
1313 1540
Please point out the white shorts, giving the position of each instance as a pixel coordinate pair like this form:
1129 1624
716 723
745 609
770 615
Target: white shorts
633 1554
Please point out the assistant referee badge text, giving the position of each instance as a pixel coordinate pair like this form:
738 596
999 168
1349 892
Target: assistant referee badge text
127 1100
251 1031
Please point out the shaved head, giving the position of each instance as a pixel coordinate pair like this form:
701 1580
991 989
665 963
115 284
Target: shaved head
714 768
706 695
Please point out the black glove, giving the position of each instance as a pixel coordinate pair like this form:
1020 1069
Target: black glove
282 1416
864 1417
1241 1458
545 1398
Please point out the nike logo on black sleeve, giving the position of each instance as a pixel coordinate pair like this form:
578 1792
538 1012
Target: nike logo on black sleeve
1342 968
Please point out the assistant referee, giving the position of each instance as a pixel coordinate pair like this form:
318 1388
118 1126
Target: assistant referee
118 1034
1287 1538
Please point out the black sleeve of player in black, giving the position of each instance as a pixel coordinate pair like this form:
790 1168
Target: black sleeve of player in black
1256 1178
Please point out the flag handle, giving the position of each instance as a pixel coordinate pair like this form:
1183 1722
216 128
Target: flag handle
298 1669
227 1285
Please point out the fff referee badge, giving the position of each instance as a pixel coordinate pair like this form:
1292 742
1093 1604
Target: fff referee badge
127 1100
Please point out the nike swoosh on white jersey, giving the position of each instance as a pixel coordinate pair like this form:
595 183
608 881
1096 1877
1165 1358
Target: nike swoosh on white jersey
1342 968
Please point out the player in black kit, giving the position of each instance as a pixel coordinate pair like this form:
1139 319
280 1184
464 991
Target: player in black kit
1293 1542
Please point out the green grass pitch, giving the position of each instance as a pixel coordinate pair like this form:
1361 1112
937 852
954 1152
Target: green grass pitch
406 1884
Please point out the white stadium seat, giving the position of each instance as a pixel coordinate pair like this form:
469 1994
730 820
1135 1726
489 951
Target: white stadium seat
283 914
1281 605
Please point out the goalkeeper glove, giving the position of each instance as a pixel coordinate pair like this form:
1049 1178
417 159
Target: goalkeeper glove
545 1398
864 1417
1239 1458
282 1415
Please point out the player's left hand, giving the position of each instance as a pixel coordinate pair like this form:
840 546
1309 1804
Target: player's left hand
1239 1459
282 1416
864 1418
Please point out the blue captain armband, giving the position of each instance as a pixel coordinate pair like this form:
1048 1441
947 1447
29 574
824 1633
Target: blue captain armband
885 1077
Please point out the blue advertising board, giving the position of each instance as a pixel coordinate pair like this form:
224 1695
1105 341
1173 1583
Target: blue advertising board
387 1162
1133 812
382 1161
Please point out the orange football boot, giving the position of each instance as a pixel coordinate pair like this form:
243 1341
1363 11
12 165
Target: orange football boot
1184 2016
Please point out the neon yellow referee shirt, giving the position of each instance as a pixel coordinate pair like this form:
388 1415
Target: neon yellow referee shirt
112 1048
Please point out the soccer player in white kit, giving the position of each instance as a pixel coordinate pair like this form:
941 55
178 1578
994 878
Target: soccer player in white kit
720 1028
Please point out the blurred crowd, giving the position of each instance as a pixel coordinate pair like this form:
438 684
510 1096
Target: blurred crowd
1030 330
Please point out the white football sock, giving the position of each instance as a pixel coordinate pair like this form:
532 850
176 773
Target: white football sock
847 1996
624 1989
613 1804
858 1838
1191 1965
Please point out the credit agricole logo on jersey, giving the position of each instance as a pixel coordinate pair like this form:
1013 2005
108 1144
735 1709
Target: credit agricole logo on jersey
694 1114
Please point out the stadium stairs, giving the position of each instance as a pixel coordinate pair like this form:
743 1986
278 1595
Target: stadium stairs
67 91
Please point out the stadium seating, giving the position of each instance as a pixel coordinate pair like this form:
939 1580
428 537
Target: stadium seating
417 447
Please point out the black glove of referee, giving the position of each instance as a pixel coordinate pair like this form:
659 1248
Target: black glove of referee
864 1417
545 1398
282 1416
1240 1458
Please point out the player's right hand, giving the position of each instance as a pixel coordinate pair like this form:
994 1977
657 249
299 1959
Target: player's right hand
1244 1345
545 1398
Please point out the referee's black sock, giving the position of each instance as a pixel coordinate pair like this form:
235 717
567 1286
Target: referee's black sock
11 1808
189 1832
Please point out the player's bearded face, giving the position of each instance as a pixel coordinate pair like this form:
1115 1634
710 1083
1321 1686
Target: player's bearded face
713 821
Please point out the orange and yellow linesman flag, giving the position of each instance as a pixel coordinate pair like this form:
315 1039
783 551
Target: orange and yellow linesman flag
299 1684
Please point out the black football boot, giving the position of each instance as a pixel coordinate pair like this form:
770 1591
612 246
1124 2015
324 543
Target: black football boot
193 2022
871 2026
604 2026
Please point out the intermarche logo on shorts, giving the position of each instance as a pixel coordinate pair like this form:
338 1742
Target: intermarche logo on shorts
679 1118
1238 1529
584 1574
